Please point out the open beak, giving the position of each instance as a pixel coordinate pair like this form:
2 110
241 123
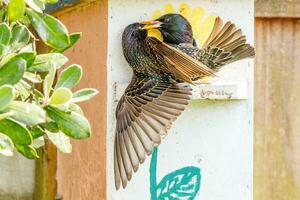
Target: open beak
151 24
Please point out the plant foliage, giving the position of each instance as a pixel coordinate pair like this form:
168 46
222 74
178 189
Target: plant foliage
36 101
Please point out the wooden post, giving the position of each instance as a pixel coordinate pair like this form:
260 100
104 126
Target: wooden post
45 180
46 164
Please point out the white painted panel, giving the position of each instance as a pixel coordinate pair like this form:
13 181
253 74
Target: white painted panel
215 136
16 177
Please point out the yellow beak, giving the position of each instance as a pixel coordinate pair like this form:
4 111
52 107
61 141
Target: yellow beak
151 24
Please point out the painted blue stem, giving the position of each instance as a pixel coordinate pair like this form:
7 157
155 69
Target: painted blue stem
152 170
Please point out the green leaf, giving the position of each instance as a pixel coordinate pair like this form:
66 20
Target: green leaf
34 78
7 58
51 31
69 77
74 37
48 82
12 71
43 62
27 113
28 48
180 184
3 50
2 14
29 57
61 141
36 5
50 126
16 9
38 96
5 34
70 123
6 96
51 1
38 142
23 89
37 132
61 96
27 151
6 115
25 20
75 108
18 133
20 37
6 145
84 94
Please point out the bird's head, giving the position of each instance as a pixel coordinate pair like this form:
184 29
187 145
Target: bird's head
134 33
133 40
174 28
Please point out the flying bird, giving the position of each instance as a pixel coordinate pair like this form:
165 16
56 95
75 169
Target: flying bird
158 93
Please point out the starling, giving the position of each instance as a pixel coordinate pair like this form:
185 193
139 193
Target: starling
174 28
157 94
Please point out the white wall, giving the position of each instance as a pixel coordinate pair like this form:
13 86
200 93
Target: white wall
16 178
215 136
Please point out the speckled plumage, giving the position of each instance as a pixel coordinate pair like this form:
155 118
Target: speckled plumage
157 95
140 56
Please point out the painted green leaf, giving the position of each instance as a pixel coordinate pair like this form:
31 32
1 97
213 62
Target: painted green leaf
72 124
12 71
180 184
69 77
51 30
5 34
43 62
27 151
6 96
61 141
27 113
20 37
36 5
84 94
61 96
18 133
74 37
29 57
6 145
16 9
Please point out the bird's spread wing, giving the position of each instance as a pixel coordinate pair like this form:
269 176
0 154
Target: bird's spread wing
179 64
144 114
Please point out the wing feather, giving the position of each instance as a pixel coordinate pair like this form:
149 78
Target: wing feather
144 114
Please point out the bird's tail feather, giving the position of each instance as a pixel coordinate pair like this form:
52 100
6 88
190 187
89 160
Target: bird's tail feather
226 44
